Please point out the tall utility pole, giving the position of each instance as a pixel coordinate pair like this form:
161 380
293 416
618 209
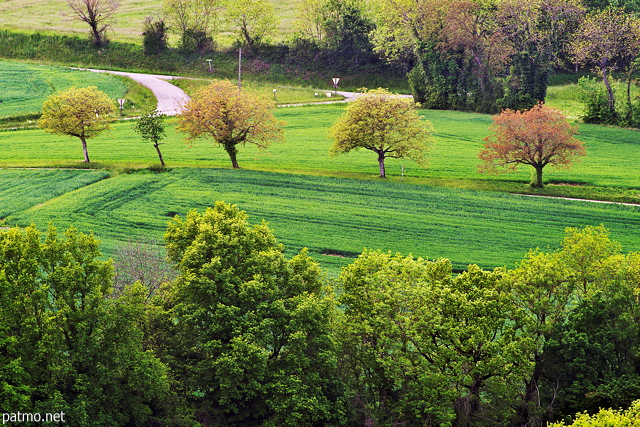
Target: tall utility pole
240 69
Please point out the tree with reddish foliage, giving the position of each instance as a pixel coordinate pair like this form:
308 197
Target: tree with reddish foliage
536 137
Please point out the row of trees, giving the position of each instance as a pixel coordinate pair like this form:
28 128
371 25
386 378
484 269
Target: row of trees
377 121
220 111
195 21
245 336
485 56
461 54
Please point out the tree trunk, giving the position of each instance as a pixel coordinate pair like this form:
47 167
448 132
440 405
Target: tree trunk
231 149
537 183
84 149
159 153
97 34
528 412
381 162
607 84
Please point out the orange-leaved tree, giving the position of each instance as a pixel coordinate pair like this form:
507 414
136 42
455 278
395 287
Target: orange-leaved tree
537 137
230 117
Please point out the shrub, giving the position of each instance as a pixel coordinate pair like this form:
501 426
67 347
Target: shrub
154 36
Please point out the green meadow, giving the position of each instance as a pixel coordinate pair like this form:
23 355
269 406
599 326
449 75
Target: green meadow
25 87
336 218
335 206
612 159
54 17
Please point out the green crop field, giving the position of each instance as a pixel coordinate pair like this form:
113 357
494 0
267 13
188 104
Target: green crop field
24 87
24 188
334 217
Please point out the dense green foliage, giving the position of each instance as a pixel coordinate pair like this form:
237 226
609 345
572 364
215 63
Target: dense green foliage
65 346
243 335
607 418
154 36
246 330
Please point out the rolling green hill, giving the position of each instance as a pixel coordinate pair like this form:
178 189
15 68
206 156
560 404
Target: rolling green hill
334 217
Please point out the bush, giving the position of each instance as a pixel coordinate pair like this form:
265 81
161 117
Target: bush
154 36
594 95
196 41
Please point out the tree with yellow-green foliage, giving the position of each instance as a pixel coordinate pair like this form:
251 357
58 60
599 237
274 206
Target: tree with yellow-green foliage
230 117
252 20
607 418
384 123
81 112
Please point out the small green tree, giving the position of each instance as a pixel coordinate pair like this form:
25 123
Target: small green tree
154 36
150 126
194 20
383 123
81 112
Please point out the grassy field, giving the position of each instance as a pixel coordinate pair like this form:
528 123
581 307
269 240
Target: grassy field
334 217
611 164
54 17
22 189
24 87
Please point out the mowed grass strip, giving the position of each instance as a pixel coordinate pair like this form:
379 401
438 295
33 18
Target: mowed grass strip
335 218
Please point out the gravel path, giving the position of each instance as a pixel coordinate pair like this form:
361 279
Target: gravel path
170 97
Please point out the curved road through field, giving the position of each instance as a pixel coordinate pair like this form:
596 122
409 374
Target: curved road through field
170 98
